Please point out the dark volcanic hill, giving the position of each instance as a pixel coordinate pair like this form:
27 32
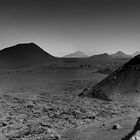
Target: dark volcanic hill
23 54
124 80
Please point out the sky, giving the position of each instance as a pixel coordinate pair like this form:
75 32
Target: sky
63 26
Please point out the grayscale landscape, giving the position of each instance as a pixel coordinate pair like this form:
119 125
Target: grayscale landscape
41 97
69 70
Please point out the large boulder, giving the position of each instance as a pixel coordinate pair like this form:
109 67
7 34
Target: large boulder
116 126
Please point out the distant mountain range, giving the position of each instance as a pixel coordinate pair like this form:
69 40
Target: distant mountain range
22 55
121 54
77 54
117 55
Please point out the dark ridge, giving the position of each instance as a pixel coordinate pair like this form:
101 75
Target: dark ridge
134 61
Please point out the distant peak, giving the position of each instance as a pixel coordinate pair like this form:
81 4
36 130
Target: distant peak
77 54
102 57
120 52
105 54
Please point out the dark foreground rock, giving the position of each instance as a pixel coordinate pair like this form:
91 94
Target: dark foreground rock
116 126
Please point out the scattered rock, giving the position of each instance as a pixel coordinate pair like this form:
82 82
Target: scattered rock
137 90
116 126
54 137
47 118
104 124
84 92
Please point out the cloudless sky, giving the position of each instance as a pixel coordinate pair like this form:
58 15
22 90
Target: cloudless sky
64 26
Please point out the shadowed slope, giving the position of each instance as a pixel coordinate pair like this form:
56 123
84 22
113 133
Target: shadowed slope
124 80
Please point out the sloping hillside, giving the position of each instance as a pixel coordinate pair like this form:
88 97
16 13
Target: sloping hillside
124 80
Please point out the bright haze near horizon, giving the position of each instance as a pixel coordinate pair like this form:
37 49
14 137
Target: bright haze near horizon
63 26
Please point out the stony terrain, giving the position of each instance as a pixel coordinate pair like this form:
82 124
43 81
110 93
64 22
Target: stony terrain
48 116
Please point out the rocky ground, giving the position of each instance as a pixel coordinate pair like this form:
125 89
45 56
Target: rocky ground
48 116
43 105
